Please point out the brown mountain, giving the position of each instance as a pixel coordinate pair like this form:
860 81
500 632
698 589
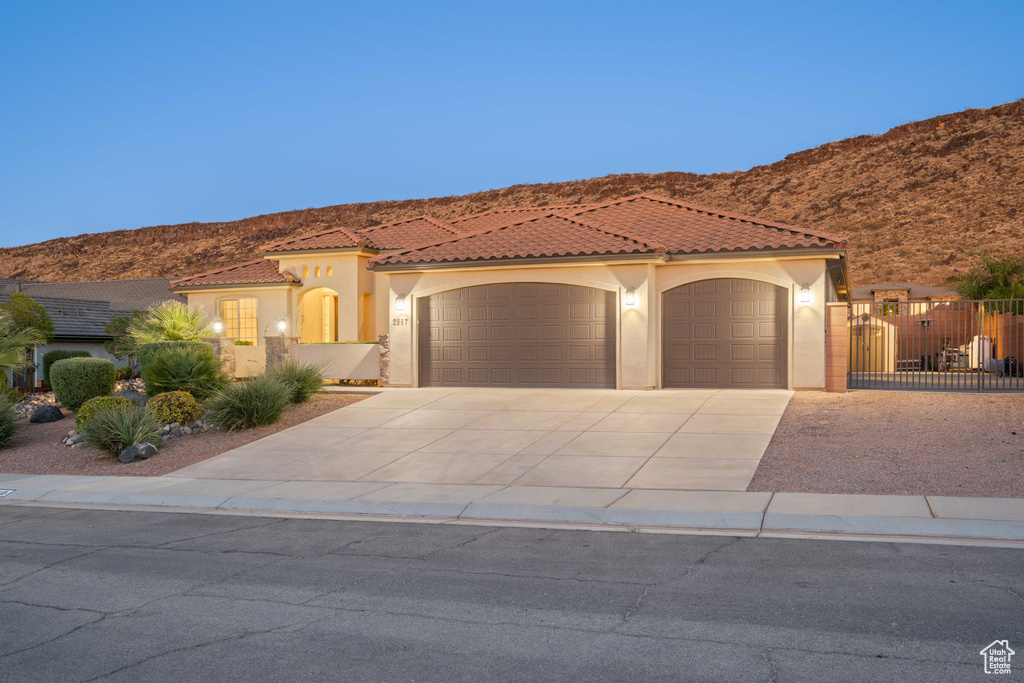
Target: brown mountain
917 204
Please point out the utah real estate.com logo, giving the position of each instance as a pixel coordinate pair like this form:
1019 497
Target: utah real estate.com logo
997 657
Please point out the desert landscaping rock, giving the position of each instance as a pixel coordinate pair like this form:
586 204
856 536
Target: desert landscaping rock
46 414
135 397
140 451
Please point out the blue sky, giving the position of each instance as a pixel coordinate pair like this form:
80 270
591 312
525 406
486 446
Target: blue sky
124 114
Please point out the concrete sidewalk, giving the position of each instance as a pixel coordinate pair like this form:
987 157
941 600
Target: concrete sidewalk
906 518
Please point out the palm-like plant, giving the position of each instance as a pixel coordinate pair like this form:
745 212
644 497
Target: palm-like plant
996 279
15 343
170 321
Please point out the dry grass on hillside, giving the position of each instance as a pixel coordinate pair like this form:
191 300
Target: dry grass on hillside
917 203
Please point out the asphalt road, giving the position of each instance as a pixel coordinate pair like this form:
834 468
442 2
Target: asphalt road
129 596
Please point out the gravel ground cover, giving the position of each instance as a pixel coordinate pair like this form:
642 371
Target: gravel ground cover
891 442
36 448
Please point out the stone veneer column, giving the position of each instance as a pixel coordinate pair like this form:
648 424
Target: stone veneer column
837 346
279 349
385 359
224 348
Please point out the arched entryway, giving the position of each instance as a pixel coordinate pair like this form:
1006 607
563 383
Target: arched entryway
725 333
518 334
318 316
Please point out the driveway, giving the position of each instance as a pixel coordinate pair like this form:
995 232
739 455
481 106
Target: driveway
708 440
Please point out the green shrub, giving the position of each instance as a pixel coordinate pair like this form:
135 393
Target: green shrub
175 406
51 357
115 428
12 395
195 370
302 380
7 417
170 321
90 407
242 342
146 351
76 380
123 373
256 403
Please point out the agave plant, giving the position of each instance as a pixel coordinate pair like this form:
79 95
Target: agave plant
170 321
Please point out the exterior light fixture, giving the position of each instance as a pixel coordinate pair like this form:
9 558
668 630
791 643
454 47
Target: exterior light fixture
630 298
400 304
282 325
805 294
218 326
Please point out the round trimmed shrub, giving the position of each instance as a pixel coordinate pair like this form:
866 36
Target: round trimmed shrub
90 407
175 406
115 428
258 402
7 418
147 351
51 357
190 369
123 373
76 380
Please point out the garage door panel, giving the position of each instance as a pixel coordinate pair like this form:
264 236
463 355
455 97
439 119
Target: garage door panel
518 334
725 333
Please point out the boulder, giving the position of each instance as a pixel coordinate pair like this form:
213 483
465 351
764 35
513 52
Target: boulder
138 399
46 414
139 451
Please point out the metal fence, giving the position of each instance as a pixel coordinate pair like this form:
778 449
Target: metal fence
937 345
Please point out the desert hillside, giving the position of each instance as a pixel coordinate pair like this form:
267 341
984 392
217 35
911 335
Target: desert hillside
917 203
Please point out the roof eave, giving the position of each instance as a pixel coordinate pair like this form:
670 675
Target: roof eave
320 250
185 289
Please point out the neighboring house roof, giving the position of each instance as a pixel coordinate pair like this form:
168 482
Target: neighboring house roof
545 236
122 295
258 272
914 291
75 318
332 238
408 232
637 224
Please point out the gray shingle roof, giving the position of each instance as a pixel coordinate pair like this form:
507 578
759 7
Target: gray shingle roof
75 317
121 295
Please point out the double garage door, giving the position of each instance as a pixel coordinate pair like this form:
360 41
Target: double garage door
723 333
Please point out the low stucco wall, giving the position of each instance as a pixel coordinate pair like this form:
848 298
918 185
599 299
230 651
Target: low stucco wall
342 361
638 346
250 360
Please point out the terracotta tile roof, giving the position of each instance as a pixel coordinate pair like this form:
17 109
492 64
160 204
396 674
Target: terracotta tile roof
498 217
260 271
545 236
687 229
408 232
332 238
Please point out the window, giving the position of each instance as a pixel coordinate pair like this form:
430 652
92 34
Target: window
330 271
317 271
305 271
240 319
890 307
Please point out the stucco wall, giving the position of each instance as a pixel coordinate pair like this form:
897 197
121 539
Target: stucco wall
273 303
638 362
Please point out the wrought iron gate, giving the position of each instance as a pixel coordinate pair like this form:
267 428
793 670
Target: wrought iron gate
937 345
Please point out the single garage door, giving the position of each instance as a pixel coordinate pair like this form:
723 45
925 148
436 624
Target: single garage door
518 335
725 333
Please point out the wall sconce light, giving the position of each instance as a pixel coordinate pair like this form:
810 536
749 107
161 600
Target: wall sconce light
400 304
218 326
630 298
805 294
282 326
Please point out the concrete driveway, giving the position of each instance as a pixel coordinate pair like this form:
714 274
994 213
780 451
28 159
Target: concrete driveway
673 439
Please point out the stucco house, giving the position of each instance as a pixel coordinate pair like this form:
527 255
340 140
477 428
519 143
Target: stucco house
639 292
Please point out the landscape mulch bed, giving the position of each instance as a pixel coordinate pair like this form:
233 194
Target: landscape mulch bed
36 448
892 442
